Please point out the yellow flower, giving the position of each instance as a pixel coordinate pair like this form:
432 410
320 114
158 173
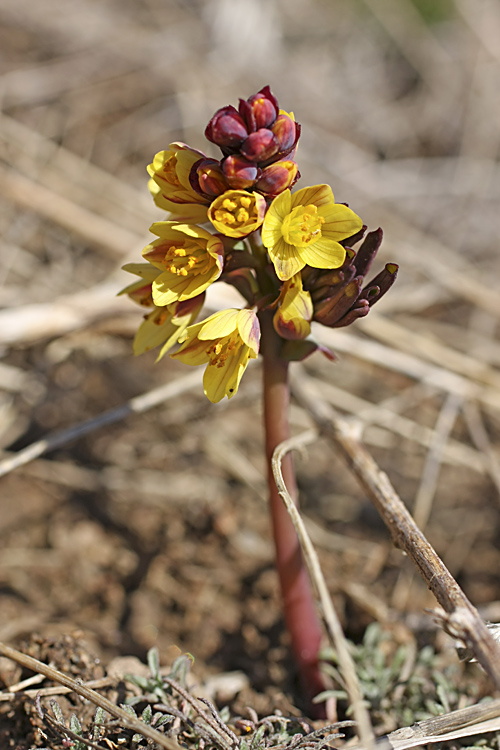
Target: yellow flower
141 291
237 213
305 229
292 319
163 325
170 185
225 341
188 258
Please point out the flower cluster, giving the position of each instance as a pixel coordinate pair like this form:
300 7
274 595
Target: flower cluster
288 253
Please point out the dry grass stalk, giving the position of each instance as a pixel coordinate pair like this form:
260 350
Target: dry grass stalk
125 718
462 619
332 623
134 406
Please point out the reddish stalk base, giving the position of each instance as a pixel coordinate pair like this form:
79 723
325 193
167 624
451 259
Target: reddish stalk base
298 601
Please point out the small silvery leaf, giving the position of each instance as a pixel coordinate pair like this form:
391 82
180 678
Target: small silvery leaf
465 654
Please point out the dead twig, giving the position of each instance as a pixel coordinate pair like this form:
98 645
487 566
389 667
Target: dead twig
332 623
428 483
125 718
134 406
461 619
12 695
113 239
465 722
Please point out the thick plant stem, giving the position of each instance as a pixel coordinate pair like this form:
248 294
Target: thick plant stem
299 608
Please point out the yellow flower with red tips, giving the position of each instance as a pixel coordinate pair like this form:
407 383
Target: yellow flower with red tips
237 213
163 325
141 291
170 185
225 342
188 259
292 319
305 229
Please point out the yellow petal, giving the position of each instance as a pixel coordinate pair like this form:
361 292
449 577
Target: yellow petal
171 229
192 351
220 324
249 330
324 253
152 332
224 381
317 195
292 319
144 270
340 222
287 259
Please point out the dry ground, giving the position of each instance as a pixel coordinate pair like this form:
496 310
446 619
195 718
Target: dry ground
153 530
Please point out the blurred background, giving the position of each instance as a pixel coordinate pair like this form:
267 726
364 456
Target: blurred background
153 531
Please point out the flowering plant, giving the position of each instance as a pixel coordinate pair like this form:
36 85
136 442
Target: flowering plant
290 256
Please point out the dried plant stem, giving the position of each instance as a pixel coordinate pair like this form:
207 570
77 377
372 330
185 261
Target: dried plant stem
298 600
333 626
136 405
125 719
462 619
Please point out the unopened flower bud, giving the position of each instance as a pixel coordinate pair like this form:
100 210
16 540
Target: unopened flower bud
239 172
294 314
380 285
260 110
207 178
368 251
330 285
360 308
260 146
287 133
226 128
331 309
277 177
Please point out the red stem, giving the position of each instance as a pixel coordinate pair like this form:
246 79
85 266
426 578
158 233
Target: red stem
298 601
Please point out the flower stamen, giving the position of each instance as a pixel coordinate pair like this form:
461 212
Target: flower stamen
236 213
302 226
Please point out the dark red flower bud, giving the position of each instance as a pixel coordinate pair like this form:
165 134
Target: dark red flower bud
368 251
226 128
287 132
260 146
331 285
337 295
239 172
381 284
207 178
260 110
329 310
357 311
277 177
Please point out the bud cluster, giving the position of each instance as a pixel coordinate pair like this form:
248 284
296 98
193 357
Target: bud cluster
338 295
255 140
